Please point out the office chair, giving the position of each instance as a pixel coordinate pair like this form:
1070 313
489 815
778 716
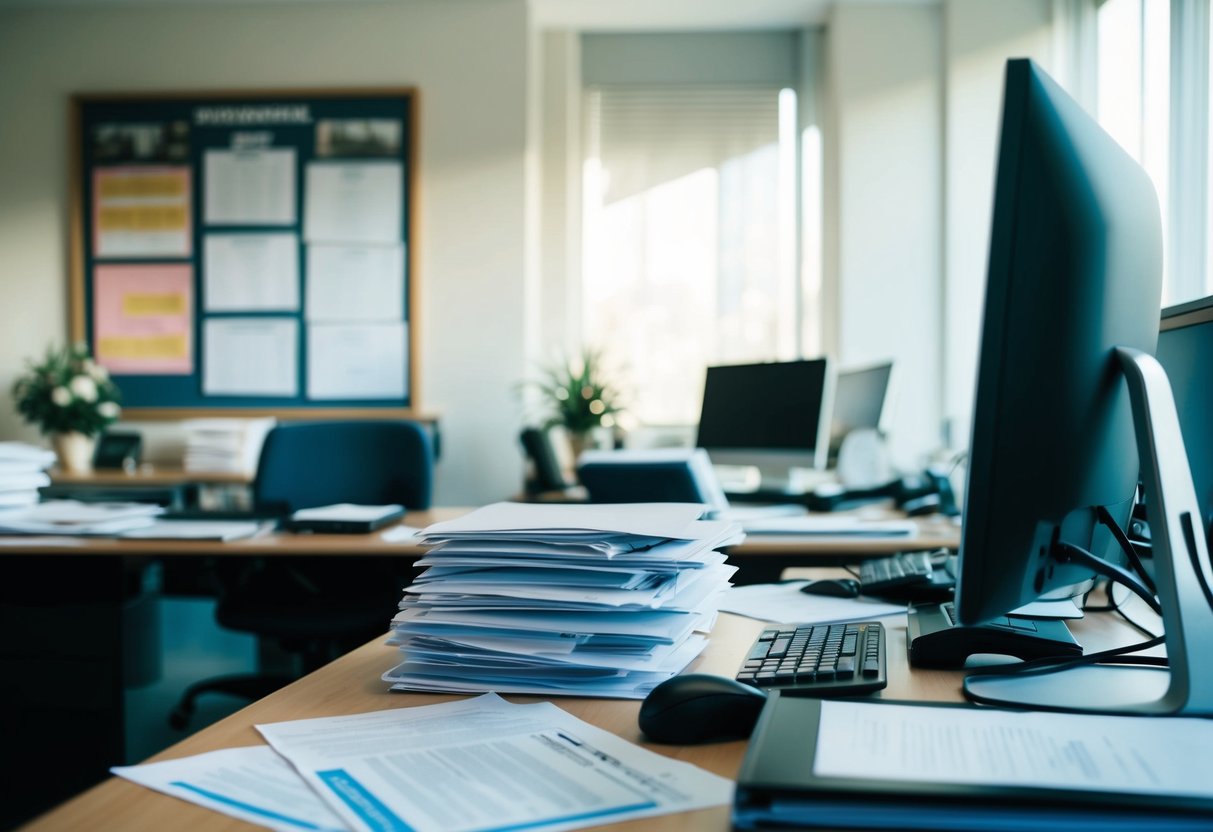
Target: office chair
319 608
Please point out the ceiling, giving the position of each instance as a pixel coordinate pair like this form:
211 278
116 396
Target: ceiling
589 15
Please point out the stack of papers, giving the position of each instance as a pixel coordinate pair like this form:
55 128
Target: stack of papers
224 445
586 600
70 517
22 469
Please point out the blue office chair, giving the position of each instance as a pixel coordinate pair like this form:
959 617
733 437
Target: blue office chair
319 608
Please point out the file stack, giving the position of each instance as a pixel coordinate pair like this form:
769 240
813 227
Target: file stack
587 600
225 446
69 517
22 473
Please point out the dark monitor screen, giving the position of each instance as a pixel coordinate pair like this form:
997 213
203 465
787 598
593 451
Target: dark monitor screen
859 396
1185 350
1074 272
754 413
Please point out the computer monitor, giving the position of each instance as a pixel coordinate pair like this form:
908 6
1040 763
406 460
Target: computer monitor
768 416
1071 313
1185 351
859 396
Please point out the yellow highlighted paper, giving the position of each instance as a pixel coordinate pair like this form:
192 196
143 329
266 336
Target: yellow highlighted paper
143 303
139 348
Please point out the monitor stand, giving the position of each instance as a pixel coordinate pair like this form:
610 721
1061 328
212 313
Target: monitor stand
1183 573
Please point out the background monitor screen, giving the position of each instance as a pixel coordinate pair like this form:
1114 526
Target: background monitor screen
1074 272
1185 350
756 414
859 396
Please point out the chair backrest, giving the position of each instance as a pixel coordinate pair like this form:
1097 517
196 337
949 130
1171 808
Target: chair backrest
368 463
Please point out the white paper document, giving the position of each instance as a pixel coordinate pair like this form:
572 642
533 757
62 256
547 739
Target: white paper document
249 187
356 361
664 520
818 526
253 784
250 357
988 747
355 283
347 512
354 202
244 272
786 604
485 764
199 530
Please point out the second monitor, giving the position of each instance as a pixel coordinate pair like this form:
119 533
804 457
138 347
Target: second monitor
768 416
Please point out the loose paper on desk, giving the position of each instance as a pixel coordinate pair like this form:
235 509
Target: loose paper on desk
253 784
830 527
989 747
483 763
785 603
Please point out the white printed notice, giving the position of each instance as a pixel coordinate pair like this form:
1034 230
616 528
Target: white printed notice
356 361
485 764
250 357
355 283
354 202
253 784
250 187
245 272
988 747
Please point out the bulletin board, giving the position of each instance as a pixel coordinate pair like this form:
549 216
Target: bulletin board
248 253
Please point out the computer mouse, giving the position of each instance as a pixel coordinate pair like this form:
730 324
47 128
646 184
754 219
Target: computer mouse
833 587
699 707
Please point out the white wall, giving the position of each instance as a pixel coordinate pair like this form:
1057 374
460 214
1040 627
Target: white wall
883 207
469 61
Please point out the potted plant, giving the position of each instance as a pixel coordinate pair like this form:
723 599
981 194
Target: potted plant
71 398
579 397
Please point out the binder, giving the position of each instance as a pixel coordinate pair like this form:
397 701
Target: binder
777 788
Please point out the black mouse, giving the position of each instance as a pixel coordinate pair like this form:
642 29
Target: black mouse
833 587
699 707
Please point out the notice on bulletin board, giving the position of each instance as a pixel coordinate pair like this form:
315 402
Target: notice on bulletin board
142 317
141 212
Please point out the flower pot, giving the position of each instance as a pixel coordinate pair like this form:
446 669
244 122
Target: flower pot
75 451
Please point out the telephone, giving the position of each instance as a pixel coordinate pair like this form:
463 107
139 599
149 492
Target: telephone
929 492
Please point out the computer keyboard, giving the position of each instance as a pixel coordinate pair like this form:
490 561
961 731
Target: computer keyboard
909 576
818 659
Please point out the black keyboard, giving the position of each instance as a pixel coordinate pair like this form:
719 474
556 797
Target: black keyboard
818 659
909 576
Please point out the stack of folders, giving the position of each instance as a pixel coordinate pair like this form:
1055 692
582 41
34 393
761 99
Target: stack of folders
22 473
586 600
227 446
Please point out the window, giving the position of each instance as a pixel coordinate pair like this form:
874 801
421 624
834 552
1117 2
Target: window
1134 94
690 235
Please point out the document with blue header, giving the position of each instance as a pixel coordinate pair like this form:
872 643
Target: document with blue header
485 764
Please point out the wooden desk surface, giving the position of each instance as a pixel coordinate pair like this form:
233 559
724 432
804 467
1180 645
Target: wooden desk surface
148 475
934 533
352 685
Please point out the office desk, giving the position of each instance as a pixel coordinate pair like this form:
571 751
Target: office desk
61 633
352 685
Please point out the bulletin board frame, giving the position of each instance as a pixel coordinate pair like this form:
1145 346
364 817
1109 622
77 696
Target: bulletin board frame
260 224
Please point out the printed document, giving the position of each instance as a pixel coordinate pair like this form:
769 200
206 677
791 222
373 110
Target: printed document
243 272
988 747
250 357
253 784
485 764
786 603
355 282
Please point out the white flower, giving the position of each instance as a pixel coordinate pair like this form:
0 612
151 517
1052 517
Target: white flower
61 396
84 388
108 410
98 372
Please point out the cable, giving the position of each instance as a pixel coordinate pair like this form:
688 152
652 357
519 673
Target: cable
1126 546
1069 553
